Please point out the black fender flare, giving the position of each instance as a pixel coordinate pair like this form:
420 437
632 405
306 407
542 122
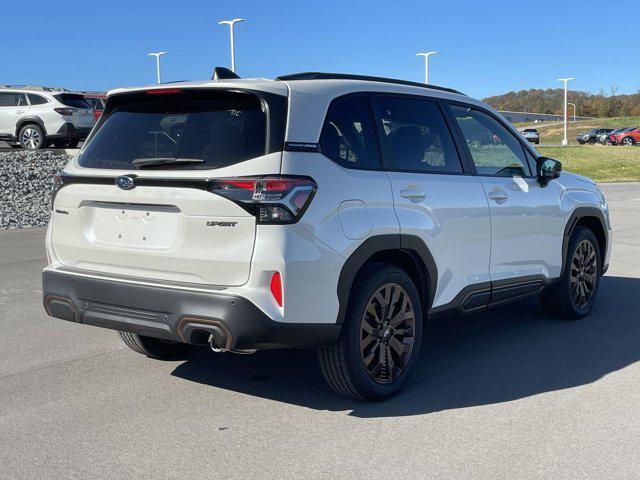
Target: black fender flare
576 215
412 245
30 119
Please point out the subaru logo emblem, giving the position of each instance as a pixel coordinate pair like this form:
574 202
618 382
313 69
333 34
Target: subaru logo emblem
125 183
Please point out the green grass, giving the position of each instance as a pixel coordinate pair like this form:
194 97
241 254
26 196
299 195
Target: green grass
601 163
552 134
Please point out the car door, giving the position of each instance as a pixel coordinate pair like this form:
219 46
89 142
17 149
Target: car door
13 106
433 198
527 221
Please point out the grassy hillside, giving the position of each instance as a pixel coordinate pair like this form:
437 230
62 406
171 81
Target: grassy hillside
601 163
552 133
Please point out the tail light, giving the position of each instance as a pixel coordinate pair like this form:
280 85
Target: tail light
163 91
276 288
67 112
272 199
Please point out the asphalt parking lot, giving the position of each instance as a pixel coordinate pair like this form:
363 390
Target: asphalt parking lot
504 394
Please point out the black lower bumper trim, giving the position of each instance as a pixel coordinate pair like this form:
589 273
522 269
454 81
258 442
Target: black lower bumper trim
69 131
173 314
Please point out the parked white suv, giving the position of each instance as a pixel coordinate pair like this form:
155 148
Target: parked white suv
36 117
328 211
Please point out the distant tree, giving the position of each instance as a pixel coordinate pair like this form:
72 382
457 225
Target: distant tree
551 101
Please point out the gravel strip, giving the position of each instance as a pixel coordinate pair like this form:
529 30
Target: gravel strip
25 185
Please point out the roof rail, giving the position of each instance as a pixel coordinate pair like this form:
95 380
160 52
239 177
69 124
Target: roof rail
346 76
38 88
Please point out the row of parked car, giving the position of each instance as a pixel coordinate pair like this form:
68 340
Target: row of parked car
609 136
35 117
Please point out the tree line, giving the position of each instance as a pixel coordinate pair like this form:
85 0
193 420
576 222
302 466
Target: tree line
551 101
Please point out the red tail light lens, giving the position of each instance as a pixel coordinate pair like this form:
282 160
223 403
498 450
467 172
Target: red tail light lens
276 288
277 199
67 112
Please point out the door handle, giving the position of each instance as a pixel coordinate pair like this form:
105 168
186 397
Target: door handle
20 111
413 195
498 196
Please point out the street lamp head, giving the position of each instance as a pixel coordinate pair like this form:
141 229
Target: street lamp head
231 22
157 54
565 80
425 54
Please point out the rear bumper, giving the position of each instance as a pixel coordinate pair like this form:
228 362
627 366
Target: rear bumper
174 314
69 131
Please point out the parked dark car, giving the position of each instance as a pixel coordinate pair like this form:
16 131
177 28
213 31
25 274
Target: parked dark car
591 135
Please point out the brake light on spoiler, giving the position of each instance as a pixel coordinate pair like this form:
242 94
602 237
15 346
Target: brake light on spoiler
163 91
278 199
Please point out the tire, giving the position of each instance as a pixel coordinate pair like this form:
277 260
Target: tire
344 364
31 137
564 299
592 141
154 347
628 141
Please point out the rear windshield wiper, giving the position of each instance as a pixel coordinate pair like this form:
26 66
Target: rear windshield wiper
148 162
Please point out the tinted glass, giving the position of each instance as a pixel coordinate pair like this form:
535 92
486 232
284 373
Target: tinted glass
220 129
494 149
9 99
72 100
348 137
37 99
415 136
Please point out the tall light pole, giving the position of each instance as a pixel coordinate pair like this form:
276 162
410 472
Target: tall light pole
426 56
231 23
565 142
157 55
574 111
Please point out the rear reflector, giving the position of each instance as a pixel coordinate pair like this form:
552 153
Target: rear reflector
276 288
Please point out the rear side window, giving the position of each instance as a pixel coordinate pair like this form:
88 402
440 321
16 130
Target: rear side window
415 137
72 100
348 137
494 149
37 99
208 130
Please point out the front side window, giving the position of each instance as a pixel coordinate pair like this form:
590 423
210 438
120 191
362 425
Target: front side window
415 137
348 137
187 130
494 149
12 99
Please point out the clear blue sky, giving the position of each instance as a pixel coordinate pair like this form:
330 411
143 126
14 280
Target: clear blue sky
486 48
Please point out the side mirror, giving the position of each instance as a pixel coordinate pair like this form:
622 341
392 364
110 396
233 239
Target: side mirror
548 169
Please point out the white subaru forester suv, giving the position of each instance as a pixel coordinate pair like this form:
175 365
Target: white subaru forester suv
326 211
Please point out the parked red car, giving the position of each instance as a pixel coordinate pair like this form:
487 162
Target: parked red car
97 102
630 136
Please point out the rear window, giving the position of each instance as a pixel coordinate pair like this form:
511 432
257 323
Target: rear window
72 100
211 130
530 130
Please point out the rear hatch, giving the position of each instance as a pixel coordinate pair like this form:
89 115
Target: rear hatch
140 203
82 113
